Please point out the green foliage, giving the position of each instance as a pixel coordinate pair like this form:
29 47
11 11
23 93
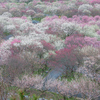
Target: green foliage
3 90
13 97
21 94
6 33
12 88
71 76
38 19
42 71
34 97
57 96
71 98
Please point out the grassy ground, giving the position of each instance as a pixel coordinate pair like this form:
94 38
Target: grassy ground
45 94
41 94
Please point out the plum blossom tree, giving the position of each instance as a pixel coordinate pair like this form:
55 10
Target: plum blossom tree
65 58
94 1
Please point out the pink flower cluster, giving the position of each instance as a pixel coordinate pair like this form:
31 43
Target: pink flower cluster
77 40
94 1
15 41
47 46
75 18
64 57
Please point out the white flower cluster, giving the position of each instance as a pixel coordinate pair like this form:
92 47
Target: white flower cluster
42 6
47 54
29 28
59 44
7 14
27 82
51 10
71 6
56 4
9 28
54 7
34 39
5 21
23 0
31 5
17 21
86 12
26 41
97 6
10 24
70 28
20 25
40 27
26 26
55 25
22 6
85 7
5 51
62 27
30 12
65 28
89 50
90 31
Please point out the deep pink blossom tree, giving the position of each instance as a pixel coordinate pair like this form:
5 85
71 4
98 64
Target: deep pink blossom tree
78 40
65 58
47 46
70 56
75 40
94 1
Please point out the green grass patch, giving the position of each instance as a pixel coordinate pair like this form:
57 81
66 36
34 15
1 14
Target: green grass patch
41 71
71 76
6 33
37 19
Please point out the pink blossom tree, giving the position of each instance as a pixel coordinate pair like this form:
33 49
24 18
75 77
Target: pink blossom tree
94 1
65 58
